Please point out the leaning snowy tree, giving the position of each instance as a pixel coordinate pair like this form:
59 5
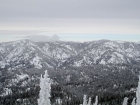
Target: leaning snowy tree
45 88
138 93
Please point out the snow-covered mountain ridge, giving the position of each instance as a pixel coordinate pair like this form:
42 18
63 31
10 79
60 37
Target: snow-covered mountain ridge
26 53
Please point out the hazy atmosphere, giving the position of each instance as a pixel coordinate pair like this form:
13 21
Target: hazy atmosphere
73 20
69 52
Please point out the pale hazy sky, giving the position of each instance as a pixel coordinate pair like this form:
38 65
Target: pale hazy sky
77 20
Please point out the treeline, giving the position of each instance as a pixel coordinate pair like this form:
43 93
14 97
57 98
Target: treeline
104 98
111 83
19 97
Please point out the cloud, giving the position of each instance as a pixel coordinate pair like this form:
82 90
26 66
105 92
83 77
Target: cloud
42 38
71 26
69 9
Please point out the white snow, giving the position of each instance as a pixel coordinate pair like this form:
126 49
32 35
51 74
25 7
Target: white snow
112 59
129 50
111 44
6 92
115 86
59 101
68 78
28 89
36 62
78 63
16 52
22 76
24 83
119 55
49 65
87 60
102 62
3 64
1 49
62 56
68 47
96 101
125 101
10 55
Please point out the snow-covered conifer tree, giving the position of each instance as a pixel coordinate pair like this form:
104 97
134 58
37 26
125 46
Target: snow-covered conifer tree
125 101
96 101
133 102
89 101
59 101
85 100
138 93
44 95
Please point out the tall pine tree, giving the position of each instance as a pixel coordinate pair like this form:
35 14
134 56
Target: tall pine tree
45 88
85 100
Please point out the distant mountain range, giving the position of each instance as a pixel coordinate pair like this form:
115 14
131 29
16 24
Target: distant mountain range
79 66
26 53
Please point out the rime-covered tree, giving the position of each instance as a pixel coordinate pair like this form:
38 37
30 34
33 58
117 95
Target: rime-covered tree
133 102
45 88
59 101
138 93
96 101
85 100
89 101
125 101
